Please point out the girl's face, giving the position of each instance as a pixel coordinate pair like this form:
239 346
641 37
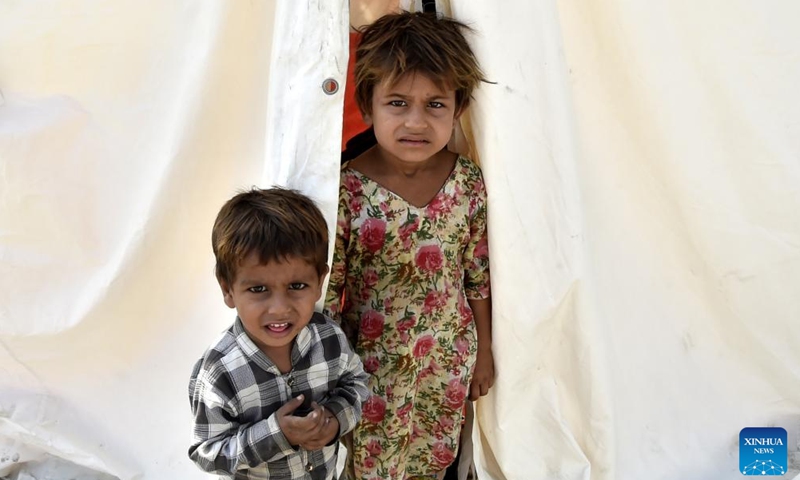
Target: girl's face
413 119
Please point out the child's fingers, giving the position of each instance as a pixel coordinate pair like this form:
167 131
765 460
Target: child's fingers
290 406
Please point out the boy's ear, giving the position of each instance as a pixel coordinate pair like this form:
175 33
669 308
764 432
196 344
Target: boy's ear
226 293
367 119
322 278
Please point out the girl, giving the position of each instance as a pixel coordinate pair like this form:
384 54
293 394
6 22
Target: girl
410 274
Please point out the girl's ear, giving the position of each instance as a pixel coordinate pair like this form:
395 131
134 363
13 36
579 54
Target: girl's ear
459 113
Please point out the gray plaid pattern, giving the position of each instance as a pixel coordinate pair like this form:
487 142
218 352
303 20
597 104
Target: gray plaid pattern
235 390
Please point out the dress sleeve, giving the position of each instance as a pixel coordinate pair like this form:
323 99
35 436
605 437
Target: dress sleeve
336 282
476 253
220 444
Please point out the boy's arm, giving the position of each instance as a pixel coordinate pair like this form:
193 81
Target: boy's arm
351 391
222 445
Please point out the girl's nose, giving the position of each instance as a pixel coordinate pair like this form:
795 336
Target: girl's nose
416 118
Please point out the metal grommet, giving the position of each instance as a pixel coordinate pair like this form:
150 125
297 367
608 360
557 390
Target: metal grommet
330 86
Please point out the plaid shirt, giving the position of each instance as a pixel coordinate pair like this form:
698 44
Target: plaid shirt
235 391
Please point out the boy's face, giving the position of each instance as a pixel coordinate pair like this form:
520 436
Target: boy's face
275 300
413 119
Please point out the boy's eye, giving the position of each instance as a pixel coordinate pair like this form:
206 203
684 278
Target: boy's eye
297 286
436 105
397 103
257 289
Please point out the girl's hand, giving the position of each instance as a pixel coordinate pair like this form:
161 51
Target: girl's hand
483 378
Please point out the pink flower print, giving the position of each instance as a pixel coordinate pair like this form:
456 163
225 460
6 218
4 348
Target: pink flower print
371 324
434 301
404 410
355 206
465 311
429 258
374 409
373 234
374 448
473 205
407 229
441 205
423 345
455 394
482 248
369 462
442 455
352 184
446 423
387 305
462 345
371 364
417 432
406 324
370 278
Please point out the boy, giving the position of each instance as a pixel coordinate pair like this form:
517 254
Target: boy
246 392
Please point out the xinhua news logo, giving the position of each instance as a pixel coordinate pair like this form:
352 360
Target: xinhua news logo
762 451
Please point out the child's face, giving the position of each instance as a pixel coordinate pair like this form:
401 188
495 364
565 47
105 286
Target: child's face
275 300
413 119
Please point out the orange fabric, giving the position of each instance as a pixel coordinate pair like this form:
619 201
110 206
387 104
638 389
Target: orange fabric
353 123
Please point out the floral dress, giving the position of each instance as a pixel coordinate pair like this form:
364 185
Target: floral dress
399 285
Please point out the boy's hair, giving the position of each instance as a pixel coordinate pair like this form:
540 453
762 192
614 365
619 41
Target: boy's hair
274 224
401 43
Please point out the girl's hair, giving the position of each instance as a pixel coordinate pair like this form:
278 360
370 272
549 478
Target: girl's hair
401 43
274 224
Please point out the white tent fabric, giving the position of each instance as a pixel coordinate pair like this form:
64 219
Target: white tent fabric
642 161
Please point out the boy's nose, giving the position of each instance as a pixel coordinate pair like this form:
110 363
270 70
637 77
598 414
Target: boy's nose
278 305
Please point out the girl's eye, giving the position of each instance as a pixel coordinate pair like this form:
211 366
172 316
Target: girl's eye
257 289
436 105
297 286
397 103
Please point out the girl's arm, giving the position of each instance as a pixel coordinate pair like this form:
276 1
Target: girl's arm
338 272
483 378
477 284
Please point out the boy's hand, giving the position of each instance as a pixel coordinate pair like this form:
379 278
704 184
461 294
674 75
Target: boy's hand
299 430
328 431
483 378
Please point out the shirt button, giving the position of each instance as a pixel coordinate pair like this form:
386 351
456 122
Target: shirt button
309 467
290 381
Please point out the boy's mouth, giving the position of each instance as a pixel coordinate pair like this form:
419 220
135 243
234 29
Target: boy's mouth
277 327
